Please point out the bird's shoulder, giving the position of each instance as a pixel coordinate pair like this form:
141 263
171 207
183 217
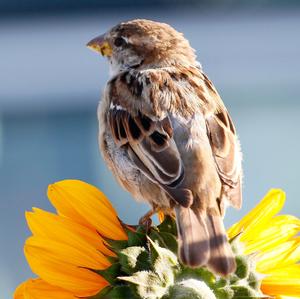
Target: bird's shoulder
180 90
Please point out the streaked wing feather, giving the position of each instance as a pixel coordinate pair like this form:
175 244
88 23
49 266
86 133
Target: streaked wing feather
226 152
152 148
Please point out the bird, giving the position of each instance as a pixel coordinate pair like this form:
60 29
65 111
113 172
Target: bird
167 137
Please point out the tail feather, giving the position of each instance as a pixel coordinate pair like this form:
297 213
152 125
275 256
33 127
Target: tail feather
221 259
203 241
193 237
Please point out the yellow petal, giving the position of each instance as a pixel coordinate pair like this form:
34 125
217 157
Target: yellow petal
65 230
62 271
87 205
19 292
285 282
39 289
83 187
285 254
287 297
161 216
269 206
278 230
65 253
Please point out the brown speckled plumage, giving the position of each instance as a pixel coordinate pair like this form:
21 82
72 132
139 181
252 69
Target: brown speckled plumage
168 138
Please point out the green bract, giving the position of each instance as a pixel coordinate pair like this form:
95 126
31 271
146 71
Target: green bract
147 267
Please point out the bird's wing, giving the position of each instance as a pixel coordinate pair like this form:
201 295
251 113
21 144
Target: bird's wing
151 147
226 148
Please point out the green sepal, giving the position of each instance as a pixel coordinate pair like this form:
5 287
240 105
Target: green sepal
198 273
221 283
236 244
242 267
137 238
191 289
245 292
233 279
165 239
112 259
133 259
164 270
168 226
117 245
164 253
102 293
147 284
118 292
224 293
180 292
254 281
151 284
110 274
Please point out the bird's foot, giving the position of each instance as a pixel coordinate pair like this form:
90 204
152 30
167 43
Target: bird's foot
146 220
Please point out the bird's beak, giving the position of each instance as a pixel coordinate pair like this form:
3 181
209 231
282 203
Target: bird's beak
100 45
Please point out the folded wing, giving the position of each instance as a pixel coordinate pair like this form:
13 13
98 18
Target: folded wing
151 147
226 151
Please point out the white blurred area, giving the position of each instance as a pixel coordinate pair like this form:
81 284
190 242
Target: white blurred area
50 84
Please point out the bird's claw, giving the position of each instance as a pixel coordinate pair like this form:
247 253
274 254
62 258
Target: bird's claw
146 220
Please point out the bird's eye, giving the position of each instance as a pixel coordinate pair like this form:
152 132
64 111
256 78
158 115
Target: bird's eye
120 41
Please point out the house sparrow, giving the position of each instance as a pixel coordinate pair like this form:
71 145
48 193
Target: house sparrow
168 138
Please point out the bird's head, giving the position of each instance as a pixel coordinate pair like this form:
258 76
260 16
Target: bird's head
143 44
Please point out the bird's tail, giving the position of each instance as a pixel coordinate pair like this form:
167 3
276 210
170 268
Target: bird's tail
193 237
221 260
203 241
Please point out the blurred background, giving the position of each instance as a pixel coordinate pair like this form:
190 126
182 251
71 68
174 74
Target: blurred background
50 84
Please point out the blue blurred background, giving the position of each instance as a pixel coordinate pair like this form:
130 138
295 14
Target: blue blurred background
50 84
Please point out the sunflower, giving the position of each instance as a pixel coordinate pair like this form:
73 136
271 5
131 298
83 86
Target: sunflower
273 241
84 251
